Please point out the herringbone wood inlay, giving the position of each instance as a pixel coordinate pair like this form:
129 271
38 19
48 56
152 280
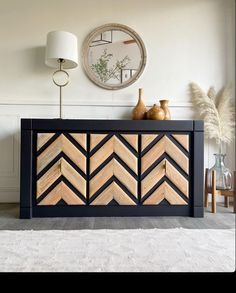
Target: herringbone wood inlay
165 145
113 192
156 168
113 169
61 169
115 159
164 191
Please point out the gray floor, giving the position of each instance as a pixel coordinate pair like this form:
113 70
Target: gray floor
9 220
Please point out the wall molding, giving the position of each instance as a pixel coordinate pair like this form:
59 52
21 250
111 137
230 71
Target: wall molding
14 101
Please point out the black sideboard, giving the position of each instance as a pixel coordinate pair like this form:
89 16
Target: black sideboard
111 168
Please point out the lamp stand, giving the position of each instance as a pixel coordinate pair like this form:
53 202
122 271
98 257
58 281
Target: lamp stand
60 78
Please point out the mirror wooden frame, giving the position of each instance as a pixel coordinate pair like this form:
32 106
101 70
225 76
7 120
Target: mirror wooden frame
102 29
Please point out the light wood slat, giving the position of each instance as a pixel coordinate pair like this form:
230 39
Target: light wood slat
95 139
164 191
53 197
172 196
61 191
126 155
42 138
125 178
101 178
183 139
152 178
48 178
178 179
113 191
101 155
49 154
73 177
61 144
73 153
146 139
120 196
69 196
132 139
81 138
165 145
156 197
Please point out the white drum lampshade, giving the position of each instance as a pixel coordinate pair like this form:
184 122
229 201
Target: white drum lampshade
61 45
62 53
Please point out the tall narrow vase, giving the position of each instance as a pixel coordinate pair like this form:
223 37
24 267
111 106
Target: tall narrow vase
164 106
139 111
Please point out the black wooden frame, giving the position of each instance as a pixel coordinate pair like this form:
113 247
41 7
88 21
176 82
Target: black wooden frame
30 128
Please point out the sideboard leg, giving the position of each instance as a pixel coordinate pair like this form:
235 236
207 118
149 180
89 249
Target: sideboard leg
198 174
26 174
25 213
198 212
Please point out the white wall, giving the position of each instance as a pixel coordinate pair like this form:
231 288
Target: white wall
186 40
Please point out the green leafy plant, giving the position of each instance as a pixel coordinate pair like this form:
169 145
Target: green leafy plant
104 72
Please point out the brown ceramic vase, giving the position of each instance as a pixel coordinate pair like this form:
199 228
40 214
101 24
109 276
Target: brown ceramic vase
164 106
156 113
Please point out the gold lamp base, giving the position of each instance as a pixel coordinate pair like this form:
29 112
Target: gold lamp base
60 78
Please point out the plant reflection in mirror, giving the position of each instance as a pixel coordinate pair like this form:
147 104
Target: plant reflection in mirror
104 72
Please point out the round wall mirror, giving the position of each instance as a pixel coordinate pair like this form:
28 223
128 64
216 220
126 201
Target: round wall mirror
114 56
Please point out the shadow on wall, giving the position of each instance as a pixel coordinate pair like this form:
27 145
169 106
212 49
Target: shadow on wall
35 61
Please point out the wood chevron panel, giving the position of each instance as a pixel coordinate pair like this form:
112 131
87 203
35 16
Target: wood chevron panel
61 144
166 170
61 192
162 146
121 169
69 170
183 139
147 139
113 168
113 192
113 145
165 191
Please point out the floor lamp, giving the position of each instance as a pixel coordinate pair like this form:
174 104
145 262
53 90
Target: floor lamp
61 53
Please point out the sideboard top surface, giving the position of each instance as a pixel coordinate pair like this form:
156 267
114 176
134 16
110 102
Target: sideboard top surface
110 125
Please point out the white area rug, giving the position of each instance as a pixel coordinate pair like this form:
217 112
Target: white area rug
154 250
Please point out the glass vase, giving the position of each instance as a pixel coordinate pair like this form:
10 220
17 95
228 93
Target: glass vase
223 174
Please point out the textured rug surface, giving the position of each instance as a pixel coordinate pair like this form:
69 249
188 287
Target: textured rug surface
154 250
